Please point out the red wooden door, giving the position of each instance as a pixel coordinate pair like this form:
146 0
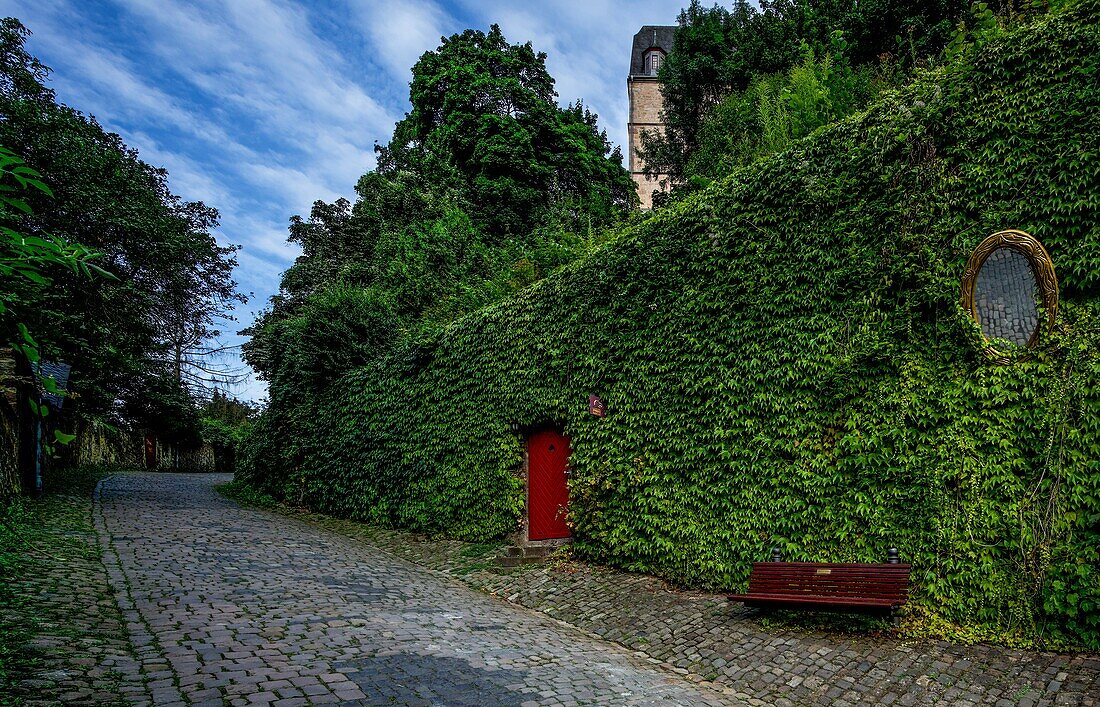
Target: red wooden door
150 451
547 493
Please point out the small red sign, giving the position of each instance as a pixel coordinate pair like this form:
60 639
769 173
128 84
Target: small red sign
596 406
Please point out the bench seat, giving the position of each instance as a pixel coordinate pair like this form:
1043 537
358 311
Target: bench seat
856 587
811 600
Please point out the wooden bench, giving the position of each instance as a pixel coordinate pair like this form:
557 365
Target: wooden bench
865 588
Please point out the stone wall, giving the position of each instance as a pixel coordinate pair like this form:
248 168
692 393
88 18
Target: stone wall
9 450
99 444
96 443
103 445
646 104
12 421
199 459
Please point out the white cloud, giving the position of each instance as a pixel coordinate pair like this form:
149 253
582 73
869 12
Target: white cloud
266 238
261 61
399 33
185 176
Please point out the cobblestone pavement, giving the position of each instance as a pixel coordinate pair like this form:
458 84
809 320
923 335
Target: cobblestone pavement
68 642
764 662
238 606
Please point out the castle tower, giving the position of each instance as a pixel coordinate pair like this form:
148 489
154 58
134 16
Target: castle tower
651 45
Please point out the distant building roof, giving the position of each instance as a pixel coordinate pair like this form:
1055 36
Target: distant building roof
649 36
60 373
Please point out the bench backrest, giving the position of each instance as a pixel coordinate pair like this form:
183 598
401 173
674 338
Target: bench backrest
873 581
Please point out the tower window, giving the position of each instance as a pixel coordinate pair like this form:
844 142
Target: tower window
653 61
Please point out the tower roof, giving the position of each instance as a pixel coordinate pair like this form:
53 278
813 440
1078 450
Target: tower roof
649 36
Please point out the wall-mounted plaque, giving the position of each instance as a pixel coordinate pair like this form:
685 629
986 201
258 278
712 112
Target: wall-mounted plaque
1010 290
596 406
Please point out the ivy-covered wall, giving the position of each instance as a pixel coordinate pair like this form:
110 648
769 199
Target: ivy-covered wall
784 361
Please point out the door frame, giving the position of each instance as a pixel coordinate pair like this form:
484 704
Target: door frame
523 535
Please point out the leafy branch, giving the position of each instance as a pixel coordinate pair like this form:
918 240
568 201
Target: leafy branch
30 257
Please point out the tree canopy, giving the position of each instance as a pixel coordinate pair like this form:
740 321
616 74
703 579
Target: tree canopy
486 186
732 85
137 340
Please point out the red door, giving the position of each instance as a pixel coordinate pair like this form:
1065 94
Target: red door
547 494
150 451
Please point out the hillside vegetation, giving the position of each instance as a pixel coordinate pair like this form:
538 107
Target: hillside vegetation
785 362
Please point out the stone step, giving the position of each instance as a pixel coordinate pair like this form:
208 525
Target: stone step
529 550
515 560
516 555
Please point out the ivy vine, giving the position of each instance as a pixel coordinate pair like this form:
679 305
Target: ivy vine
784 362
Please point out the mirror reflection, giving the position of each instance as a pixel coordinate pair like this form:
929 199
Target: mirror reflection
1005 297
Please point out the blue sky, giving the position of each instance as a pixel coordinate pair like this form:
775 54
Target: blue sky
259 107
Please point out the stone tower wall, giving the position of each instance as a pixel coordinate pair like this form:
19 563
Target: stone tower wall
645 116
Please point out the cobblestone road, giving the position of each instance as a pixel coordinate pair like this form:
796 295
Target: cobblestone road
230 605
764 661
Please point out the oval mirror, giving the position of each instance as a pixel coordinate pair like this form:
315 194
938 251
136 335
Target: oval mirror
1010 290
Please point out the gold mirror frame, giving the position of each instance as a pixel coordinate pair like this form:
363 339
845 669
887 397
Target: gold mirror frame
1041 267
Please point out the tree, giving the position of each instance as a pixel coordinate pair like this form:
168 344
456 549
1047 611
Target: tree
722 57
25 260
192 304
486 185
717 52
914 31
224 422
487 108
136 342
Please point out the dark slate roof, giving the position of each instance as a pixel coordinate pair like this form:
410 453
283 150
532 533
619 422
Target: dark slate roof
60 373
650 36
